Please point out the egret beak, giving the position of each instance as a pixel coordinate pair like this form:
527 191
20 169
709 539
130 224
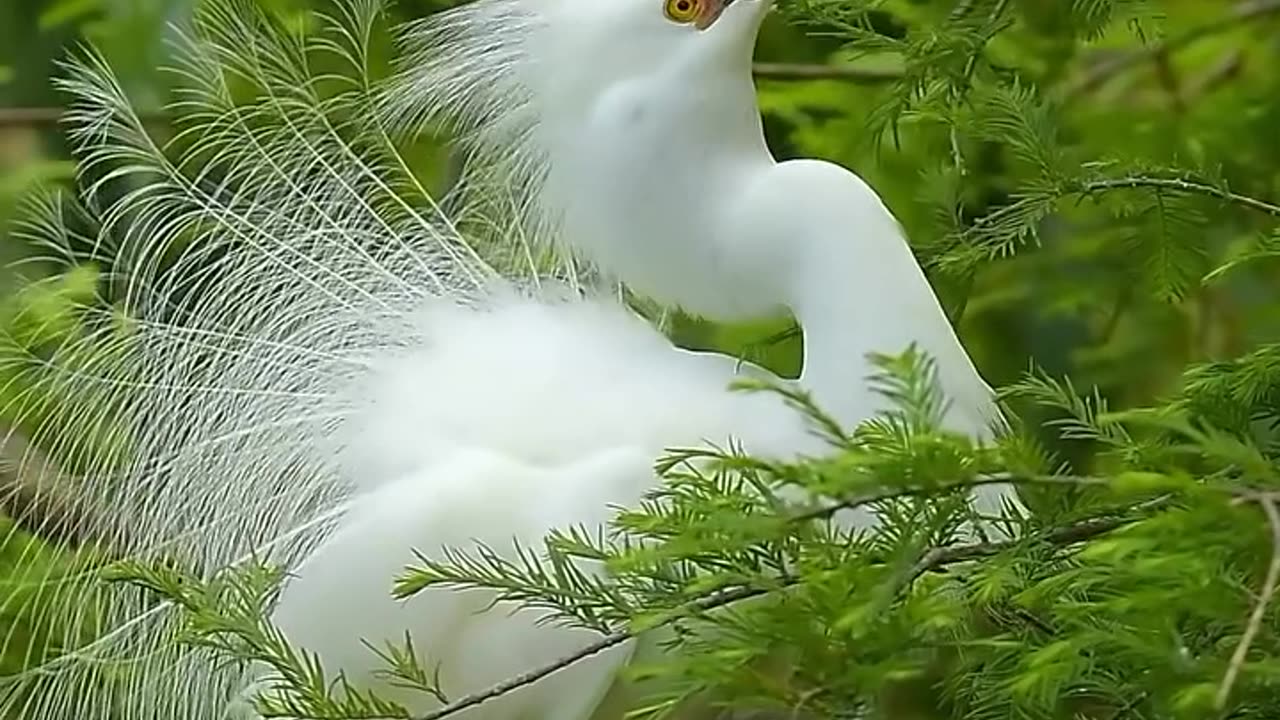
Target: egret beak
711 10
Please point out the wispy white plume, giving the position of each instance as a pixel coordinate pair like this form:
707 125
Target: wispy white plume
259 258
503 77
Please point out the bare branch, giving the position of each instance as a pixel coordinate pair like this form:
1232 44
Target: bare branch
980 481
528 678
939 557
1229 66
1268 504
39 497
791 71
33 490
710 602
51 117
1193 188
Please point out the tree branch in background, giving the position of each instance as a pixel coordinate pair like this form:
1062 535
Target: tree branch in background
1135 182
51 117
1168 77
1187 187
1227 68
29 117
32 492
1103 71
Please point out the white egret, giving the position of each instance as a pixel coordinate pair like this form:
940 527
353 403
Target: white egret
646 156
357 380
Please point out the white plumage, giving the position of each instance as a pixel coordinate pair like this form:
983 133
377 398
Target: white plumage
358 379
460 470
647 158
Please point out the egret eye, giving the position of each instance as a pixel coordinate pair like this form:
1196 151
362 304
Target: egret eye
682 11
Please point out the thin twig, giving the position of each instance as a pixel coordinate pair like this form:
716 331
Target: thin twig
794 71
1268 503
1133 182
1184 186
940 557
528 678
613 639
980 481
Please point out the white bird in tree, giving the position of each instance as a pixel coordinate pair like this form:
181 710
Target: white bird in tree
647 157
325 370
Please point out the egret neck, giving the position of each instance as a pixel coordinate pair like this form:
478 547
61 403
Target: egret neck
853 284
638 180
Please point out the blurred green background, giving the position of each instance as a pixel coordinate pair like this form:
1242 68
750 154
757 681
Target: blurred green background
1118 291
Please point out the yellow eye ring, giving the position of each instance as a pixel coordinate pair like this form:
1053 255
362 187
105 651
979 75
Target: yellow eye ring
682 11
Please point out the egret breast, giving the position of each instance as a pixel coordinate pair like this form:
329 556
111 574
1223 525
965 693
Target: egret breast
643 194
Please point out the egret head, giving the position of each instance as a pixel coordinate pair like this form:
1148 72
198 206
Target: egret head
565 47
659 33
668 21
510 74
702 14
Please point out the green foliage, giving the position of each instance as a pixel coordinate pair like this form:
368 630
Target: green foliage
1077 177
225 615
1092 186
1129 594
35 326
31 613
43 327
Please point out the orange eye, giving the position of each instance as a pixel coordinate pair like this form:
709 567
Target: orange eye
682 11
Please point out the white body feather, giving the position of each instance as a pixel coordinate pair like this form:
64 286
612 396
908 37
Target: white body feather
497 380
457 472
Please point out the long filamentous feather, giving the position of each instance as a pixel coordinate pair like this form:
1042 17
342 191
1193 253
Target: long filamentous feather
476 70
261 259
